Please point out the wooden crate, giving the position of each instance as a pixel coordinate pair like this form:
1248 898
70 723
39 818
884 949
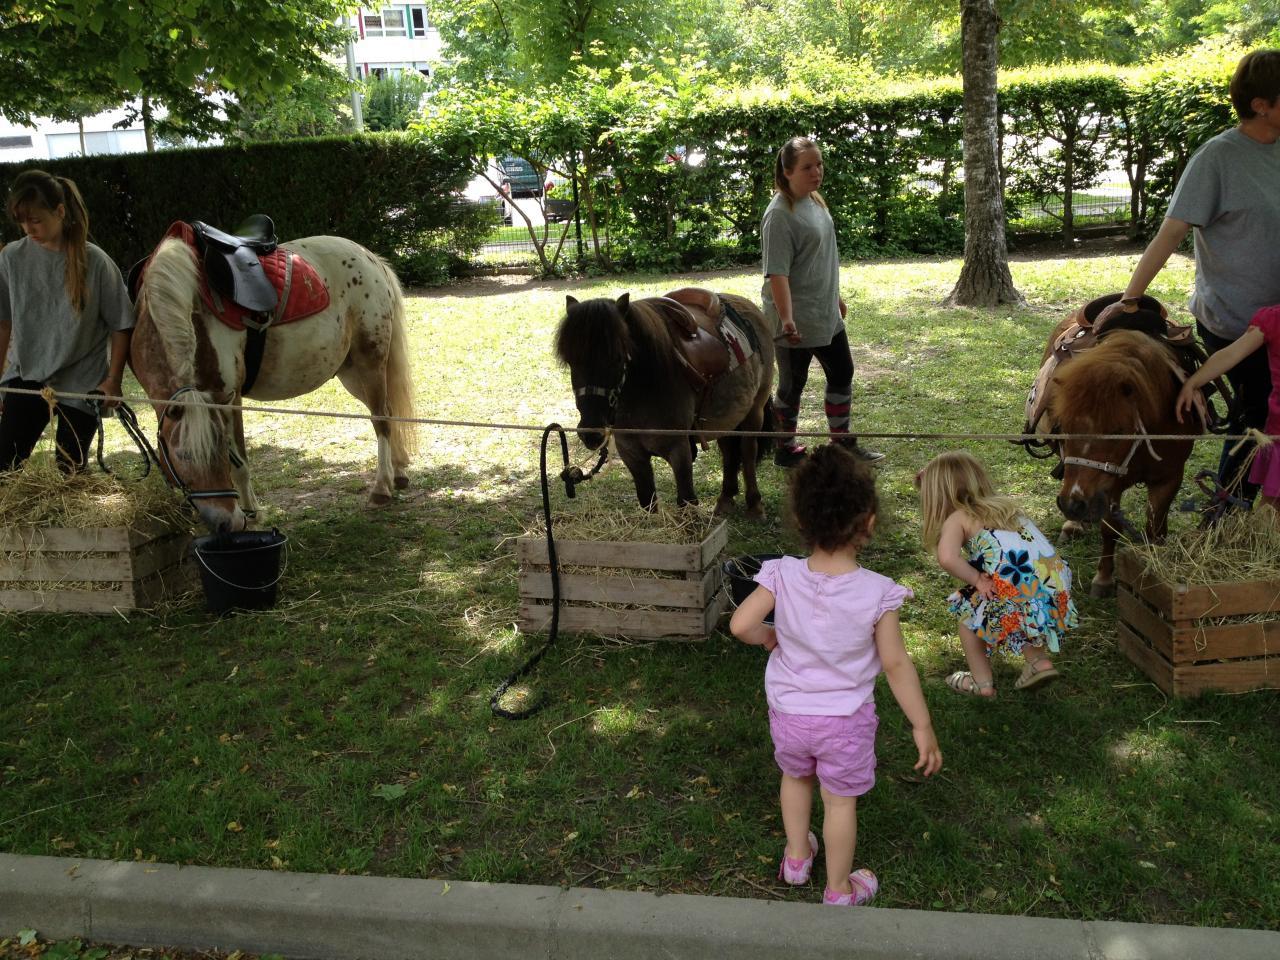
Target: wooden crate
95 570
688 600
1169 631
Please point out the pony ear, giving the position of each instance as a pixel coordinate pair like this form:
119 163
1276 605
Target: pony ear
624 302
1127 389
570 302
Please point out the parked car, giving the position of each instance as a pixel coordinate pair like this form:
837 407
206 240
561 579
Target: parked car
519 179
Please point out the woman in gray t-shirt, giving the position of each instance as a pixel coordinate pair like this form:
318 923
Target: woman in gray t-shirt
802 297
65 321
1230 195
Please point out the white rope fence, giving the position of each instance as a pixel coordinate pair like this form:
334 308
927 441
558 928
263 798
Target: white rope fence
618 431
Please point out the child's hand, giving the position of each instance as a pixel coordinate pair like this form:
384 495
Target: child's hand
986 586
1189 397
770 641
930 761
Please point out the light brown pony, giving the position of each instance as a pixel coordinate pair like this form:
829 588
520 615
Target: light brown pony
1126 384
181 352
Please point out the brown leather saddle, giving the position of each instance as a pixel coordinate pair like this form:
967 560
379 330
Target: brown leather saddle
693 315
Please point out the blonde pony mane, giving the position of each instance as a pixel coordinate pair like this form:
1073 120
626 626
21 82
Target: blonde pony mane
169 295
169 290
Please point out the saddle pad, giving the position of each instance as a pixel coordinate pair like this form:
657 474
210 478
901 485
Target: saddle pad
306 295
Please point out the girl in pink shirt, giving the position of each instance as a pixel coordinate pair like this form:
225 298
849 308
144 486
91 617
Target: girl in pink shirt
835 630
1264 328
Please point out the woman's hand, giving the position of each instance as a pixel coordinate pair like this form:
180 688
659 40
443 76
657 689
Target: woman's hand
790 332
110 388
844 309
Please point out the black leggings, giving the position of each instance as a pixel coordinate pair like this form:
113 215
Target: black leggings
23 421
836 361
1251 381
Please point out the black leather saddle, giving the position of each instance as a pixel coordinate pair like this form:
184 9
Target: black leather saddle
231 261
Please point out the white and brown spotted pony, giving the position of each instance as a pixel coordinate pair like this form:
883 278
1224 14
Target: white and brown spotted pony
186 358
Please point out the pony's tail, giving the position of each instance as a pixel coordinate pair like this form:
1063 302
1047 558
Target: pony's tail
400 394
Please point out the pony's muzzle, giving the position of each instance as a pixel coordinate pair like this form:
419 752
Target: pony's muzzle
221 520
1081 508
590 438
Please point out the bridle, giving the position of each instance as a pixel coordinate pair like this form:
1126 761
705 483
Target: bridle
172 476
611 394
1107 466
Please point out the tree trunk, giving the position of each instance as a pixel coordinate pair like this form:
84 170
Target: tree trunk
985 280
80 123
148 130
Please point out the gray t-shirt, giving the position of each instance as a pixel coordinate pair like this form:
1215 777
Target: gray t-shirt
800 244
50 342
1230 194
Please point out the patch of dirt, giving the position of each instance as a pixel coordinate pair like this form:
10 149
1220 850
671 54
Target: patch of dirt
12 949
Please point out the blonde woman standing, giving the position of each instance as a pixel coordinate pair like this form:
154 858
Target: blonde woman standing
802 296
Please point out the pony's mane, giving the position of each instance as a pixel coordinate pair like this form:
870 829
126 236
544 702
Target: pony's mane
595 332
1101 389
168 296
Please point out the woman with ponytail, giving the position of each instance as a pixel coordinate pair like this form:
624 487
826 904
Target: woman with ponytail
802 297
65 321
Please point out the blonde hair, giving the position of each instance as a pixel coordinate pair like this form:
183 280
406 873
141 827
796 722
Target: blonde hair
957 481
48 192
788 157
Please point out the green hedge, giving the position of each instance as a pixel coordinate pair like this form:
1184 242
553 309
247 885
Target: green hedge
394 194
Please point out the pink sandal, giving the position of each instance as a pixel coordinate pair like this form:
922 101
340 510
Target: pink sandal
796 872
865 887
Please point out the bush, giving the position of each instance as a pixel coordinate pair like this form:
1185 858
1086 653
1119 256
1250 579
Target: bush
391 193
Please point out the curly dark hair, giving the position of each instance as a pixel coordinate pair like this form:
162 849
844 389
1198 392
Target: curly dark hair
833 498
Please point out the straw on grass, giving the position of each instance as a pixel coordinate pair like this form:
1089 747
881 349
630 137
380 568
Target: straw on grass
1242 546
38 495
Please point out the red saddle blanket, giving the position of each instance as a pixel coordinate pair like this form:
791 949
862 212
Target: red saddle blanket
305 296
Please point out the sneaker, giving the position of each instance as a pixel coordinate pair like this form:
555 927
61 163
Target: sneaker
796 872
788 456
865 887
862 453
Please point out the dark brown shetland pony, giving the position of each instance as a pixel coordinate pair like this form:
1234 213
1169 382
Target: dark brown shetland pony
1125 384
626 373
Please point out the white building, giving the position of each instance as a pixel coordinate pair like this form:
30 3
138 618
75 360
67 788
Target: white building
388 40
393 39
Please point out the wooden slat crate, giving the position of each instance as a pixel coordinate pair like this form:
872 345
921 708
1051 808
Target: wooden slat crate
96 570
688 600
1169 631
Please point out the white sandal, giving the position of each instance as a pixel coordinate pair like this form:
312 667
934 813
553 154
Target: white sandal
962 681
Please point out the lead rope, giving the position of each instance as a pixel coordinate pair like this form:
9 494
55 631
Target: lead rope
129 420
572 476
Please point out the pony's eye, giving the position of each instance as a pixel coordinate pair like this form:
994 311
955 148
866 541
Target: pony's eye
175 413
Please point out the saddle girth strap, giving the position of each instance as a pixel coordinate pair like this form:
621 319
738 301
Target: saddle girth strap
255 343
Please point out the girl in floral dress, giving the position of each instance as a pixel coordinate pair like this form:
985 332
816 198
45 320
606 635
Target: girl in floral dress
1017 592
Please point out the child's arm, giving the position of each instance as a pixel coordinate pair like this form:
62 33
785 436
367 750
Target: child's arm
780 287
747 622
1216 366
950 544
905 684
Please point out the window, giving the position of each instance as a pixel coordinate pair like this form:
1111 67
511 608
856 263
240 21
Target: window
418 17
388 22
14 143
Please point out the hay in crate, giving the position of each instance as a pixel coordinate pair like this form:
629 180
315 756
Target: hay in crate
625 573
1201 611
88 543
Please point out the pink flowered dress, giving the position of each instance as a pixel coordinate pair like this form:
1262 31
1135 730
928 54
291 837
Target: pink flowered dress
1033 590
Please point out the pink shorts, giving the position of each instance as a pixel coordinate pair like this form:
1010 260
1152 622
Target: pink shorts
840 750
1266 470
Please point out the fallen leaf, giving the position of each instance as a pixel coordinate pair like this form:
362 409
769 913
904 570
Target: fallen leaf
1146 865
446 889
988 893
234 827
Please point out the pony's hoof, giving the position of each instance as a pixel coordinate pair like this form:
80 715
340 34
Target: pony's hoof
725 507
1102 589
379 499
755 511
1071 530
401 483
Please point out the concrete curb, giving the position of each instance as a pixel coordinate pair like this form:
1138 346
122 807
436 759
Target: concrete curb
344 918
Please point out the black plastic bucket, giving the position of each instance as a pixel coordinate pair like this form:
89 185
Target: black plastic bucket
240 571
739 576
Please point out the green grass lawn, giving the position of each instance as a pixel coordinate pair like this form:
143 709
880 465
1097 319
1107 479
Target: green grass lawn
348 729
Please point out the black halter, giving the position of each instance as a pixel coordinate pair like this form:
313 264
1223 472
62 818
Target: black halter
610 394
174 479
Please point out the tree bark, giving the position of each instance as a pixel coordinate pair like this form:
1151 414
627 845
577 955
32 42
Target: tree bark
985 280
148 131
80 124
